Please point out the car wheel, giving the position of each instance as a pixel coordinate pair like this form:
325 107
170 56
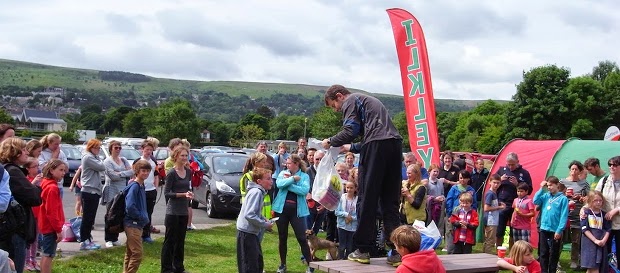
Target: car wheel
194 204
211 205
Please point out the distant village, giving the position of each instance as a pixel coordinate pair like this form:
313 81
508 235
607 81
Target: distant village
41 111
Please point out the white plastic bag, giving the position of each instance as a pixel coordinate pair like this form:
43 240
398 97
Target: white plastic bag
327 187
431 238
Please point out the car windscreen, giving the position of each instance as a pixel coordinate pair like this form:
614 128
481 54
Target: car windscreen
228 164
72 153
130 154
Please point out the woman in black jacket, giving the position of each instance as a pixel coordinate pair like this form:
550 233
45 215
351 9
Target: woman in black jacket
13 154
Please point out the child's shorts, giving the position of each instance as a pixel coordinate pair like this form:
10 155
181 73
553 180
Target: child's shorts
48 245
520 234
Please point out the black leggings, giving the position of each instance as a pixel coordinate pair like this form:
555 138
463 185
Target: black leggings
289 215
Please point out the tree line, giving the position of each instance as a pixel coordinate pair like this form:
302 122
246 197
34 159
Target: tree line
548 104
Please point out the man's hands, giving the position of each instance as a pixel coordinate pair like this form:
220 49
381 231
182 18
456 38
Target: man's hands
343 149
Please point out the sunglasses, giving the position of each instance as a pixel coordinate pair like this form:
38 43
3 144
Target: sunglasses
612 165
117 148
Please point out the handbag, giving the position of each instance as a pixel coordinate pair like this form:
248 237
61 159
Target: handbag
12 219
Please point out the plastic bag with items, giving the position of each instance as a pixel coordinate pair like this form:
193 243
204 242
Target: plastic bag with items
431 238
327 187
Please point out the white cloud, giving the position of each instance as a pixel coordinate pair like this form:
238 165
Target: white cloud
478 49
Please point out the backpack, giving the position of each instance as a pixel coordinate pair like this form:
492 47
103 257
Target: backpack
115 212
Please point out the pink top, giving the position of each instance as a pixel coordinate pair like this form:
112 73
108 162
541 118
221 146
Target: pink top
524 205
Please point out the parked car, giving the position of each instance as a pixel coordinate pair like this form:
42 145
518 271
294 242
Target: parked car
219 190
161 154
128 152
74 157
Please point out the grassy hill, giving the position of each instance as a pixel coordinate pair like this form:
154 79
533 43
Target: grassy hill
32 76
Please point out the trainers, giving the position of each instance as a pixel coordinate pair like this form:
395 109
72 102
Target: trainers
109 244
281 269
147 240
394 259
36 266
88 245
359 257
309 270
573 265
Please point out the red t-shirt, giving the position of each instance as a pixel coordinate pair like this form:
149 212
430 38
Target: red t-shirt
533 267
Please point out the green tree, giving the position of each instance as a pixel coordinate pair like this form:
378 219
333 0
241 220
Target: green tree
400 122
612 89
220 133
264 111
592 108
175 119
114 118
446 124
6 117
325 123
295 128
278 127
603 69
250 133
538 108
136 123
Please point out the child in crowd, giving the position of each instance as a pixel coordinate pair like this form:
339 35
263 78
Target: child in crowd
251 222
76 187
465 221
136 216
347 220
435 196
491 214
595 229
521 259
32 169
554 214
522 216
452 202
407 241
51 216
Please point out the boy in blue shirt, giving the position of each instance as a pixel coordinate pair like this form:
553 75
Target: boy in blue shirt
554 213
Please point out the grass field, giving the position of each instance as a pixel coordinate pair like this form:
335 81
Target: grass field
212 250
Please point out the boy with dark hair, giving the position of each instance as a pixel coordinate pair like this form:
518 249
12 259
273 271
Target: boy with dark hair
554 214
407 241
491 210
593 166
136 216
251 222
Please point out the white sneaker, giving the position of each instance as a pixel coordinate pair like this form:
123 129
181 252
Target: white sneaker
116 243
109 244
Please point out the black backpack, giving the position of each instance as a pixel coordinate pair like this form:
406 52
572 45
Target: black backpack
115 212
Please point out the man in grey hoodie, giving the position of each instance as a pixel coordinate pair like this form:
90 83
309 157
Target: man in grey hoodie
251 222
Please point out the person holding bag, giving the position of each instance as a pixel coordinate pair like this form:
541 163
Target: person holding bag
117 173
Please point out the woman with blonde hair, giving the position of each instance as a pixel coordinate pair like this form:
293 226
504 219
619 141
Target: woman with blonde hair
92 170
413 196
177 190
13 154
51 150
34 148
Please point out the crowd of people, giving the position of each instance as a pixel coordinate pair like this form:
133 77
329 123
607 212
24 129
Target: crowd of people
384 193
31 193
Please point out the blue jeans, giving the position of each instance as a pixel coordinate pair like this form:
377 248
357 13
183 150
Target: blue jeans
19 246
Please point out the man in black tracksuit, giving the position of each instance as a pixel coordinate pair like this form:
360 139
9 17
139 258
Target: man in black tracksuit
379 179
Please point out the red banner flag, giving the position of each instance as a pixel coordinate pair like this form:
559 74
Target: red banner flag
417 87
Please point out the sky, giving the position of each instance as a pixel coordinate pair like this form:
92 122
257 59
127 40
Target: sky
477 49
